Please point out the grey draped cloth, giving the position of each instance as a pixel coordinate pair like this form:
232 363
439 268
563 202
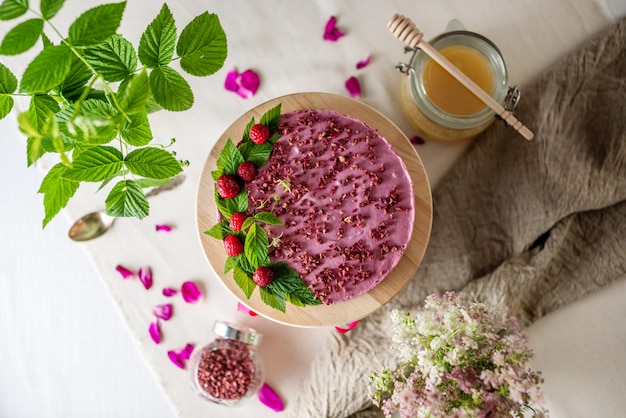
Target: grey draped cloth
533 225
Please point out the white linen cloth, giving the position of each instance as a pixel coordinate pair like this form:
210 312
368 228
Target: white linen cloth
63 349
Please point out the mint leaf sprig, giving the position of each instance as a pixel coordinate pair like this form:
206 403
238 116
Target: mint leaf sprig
287 285
90 96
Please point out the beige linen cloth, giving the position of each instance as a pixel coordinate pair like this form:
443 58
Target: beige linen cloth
534 225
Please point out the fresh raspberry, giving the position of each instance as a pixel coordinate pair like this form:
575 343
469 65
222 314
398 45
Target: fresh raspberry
232 245
227 186
236 221
247 171
263 276
259 133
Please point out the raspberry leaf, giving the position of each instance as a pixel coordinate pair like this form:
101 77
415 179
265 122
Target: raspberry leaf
47 70
151 162
49 8
96 25
220 230
57 191
257 154
244 281
10 9
127 199
158 41
271 118
115 59
273 300
229 159
95 164
22 37
170 89
202 46
268 218
137 131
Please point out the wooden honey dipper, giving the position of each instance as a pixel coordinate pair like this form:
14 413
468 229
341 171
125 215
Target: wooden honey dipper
405 30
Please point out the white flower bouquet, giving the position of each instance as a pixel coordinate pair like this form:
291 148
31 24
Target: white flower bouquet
459 359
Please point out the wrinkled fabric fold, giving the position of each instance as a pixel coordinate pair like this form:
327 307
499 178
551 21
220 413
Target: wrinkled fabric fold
535 225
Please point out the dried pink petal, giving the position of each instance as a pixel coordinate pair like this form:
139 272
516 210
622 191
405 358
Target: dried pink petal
190 291
145 275
163 311
245 84
363 63
270 398
126 274
165 228
168 292
350 327
416 140
176 359
354 87
155 331
331 32
243 308
185 353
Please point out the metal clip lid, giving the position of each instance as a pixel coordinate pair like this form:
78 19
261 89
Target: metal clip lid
238 333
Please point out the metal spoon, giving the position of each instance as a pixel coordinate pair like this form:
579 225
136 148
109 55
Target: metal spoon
96 224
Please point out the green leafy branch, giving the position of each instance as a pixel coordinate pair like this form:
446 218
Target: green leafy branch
90 96
287 286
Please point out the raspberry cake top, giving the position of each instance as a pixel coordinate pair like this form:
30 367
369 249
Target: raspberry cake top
345 199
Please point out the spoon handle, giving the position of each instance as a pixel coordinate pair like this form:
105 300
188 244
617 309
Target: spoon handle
176 181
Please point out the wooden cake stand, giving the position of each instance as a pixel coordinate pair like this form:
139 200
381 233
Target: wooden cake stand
353 309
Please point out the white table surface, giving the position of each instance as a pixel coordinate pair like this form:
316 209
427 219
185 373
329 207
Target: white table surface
73 334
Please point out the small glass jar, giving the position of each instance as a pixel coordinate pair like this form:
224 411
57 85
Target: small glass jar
228 370
433 122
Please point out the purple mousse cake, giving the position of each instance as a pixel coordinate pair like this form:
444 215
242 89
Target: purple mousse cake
345 199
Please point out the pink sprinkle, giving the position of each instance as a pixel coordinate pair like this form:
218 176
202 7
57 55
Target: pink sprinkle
354 87
163 311
169 292
350 327
270 398
176 359
417 140
145 275
243 308
363 63
165 228
155 331
126 274
245 84
331 32
190 291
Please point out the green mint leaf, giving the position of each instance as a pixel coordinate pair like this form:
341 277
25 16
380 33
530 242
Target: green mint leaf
229 159
220 230
74 83
271 118
42 110
136 94
268 217
256 245
272 300
57 191
49 8
256 154
22 37
115 59
137 132
244 281
202 46
157 43
155 163
47 70
96 25
95 164
10 9
127 199
170 89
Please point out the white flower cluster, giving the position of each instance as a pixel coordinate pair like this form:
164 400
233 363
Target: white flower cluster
458 359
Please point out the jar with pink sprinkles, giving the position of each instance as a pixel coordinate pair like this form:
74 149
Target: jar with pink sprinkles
228 370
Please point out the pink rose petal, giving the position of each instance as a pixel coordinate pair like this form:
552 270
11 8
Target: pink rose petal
126 274
350 327
331 33
155 331
417 140
175 358
270 398
243 308
363 63
165 228
245 84
354 87
190 291
145 275
163 311
168 292
185 353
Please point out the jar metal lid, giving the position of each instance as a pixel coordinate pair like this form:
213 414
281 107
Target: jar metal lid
233 332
